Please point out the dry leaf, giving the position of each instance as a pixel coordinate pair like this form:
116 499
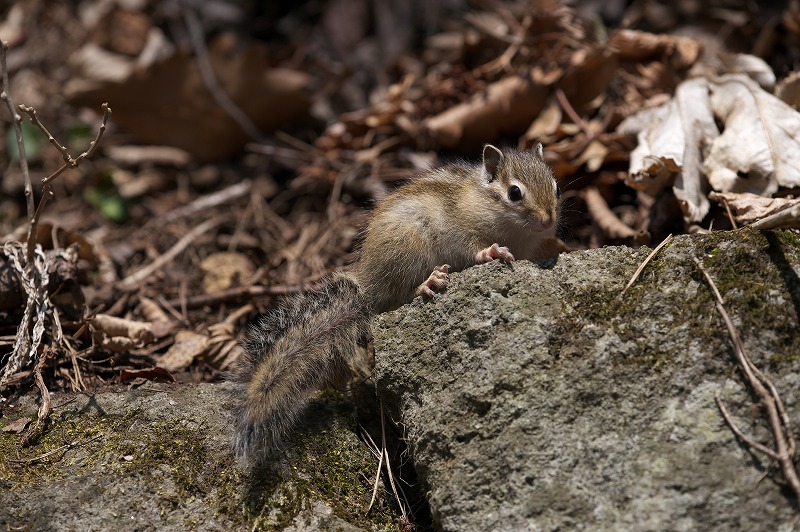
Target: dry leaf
161 324
224 270
17 426
168 103
505 107
748 208
634 45
754 67
155 374
545 124
788 89
588 77
759 150
188 346
670 148
119 334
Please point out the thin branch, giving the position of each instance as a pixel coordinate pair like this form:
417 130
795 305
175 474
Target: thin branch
135 278
35 432
401 502
31 112
93 145
741 435
781 219
69 163
225 195
237 294
63 448
5 95
644 264
375 484
763 386
211 82
730 214
572 114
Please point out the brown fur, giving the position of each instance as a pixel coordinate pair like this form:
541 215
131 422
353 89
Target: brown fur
445 216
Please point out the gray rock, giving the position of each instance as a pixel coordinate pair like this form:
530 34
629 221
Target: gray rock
533 397
159 458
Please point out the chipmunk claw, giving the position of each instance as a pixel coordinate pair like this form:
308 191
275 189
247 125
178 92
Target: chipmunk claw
495 251
436 282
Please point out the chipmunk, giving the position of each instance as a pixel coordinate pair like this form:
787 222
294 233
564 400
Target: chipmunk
445 219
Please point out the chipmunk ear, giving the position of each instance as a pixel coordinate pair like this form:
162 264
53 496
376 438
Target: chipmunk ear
491 161
538 150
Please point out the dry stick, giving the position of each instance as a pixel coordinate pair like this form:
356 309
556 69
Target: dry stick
389 467
643 264
375 484
64 448
742 436
778 420
16 119
69 163
730 214
572 114
605 218
135 278
34 433
236 294
785 218
210 79
212 200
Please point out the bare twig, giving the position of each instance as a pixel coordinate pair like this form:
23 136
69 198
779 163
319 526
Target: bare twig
16 120
763 386
644 263
138 276
741 435
375 484
233 295
607 221
212 200
63 448
211 82
69 163
563 101
730 214
35 121
781 219
35 432
401 502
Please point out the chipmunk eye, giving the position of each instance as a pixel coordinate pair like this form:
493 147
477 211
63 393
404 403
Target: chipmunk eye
514 193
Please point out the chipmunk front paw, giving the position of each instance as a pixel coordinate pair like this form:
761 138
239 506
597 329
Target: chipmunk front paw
435 283
495 251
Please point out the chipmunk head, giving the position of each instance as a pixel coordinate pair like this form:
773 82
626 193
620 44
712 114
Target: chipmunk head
523 184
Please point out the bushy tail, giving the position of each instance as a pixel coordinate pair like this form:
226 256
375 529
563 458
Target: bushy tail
309 341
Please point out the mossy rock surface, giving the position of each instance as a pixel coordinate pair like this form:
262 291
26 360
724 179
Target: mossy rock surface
535 397
159 458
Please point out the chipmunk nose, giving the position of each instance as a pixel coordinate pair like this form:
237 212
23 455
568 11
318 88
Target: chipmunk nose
548 222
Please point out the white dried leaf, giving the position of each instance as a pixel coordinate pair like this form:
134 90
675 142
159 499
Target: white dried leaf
754 67
759 150
670 148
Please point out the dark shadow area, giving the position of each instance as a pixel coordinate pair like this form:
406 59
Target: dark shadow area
320 464
790 278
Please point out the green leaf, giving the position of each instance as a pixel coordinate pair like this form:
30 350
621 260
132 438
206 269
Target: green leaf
33 138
